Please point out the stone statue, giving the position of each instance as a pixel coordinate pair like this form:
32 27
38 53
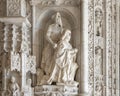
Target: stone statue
64 62
28 90
53 35
98 60
13 89
98 22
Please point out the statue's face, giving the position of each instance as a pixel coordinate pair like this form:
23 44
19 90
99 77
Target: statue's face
58 18
13 79
68 35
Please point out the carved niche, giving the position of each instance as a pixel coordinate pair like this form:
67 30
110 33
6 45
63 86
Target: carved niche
44 15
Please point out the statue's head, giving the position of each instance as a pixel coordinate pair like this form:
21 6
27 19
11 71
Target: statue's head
67 35
12 79
58 19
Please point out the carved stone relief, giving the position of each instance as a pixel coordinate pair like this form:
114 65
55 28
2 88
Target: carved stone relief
17 38
8 37
91 46
16 48
98 22
15 61
58 63
13 7
56 2
99 41
98 60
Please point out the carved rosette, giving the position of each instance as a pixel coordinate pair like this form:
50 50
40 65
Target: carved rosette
13 7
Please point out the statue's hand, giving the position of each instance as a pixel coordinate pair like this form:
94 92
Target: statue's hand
76 50
55 46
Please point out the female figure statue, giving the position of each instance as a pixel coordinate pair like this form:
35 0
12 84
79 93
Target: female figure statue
64 59
98 59
53 35
14 89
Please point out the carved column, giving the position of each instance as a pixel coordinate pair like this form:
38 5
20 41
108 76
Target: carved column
6 55
34 46
84 48
25 48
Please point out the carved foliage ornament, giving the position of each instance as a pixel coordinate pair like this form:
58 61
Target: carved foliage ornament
15 62
91 46
13 7
30 64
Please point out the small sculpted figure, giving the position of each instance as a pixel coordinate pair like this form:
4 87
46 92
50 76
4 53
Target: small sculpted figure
14 89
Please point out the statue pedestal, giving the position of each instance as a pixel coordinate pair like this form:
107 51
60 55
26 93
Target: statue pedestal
56 90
